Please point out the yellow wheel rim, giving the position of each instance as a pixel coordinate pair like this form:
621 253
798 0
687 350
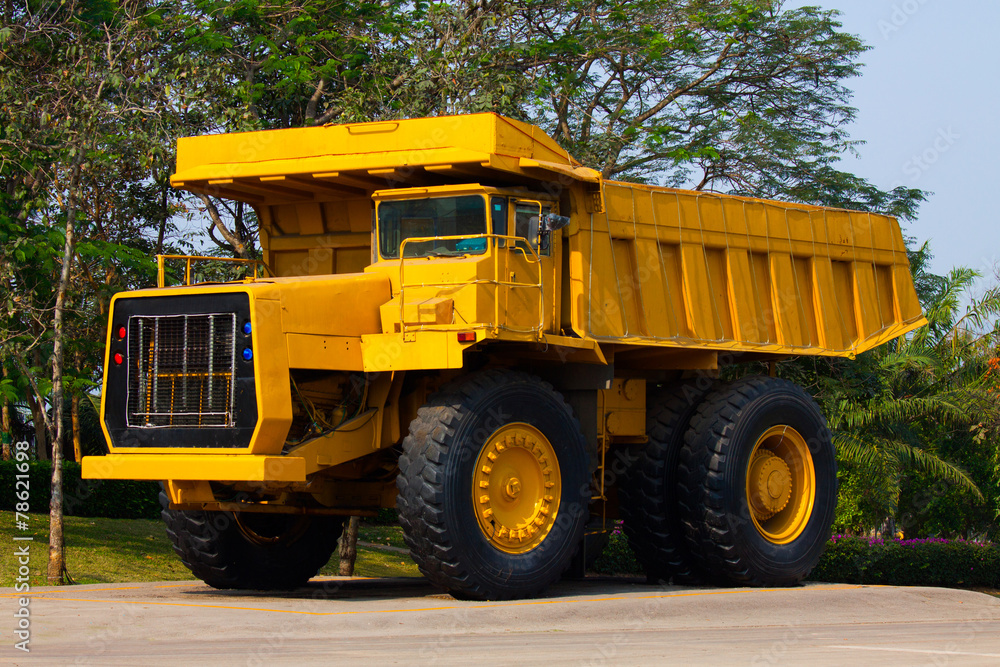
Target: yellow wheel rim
516 488
780 484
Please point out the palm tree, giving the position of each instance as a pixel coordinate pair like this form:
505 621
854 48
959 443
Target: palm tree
902 398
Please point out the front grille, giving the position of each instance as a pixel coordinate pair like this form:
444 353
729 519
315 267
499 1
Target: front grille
183 370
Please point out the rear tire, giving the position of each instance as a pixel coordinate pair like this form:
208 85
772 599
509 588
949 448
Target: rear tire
649 490
251 550
758 483
483 458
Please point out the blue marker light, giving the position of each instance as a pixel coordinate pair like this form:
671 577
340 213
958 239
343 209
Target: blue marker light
247 353
247 328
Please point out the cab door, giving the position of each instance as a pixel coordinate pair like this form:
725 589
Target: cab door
529 269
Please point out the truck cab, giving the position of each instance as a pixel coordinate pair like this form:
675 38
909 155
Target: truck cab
469 256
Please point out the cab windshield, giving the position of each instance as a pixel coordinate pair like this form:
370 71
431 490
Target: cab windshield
440 216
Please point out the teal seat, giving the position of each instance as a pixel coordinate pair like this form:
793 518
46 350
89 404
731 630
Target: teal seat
471 245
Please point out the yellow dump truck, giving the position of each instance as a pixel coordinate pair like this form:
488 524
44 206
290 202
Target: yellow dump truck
455 318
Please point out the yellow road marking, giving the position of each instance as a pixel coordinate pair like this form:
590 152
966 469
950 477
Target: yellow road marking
69 588
192 582
619 598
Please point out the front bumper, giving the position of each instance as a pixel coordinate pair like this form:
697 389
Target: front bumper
196 467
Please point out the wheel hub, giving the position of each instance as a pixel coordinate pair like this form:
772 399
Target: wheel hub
780 484
512 489
770 484
516 488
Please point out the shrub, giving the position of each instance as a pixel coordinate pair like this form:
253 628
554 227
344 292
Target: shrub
387 516
856 560
617 557
113 498
922 562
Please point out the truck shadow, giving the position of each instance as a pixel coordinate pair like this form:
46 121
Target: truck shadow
418 587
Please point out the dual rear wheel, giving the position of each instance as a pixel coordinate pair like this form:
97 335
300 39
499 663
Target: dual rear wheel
737 485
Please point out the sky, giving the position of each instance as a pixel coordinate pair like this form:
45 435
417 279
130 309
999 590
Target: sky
927 107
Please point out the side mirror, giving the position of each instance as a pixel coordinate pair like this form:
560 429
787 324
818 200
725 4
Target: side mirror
552 222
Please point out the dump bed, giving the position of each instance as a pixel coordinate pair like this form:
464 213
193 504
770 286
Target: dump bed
681 268
643 266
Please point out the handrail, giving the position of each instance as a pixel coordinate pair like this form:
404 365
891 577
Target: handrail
512 244
161 265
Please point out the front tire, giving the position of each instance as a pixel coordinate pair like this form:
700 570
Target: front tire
758 483
250 550
493 487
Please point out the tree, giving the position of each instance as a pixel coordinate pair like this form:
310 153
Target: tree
278 65
83 102
739 96
900 409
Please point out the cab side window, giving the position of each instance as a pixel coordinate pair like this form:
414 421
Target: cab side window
498 219
498 215
527 218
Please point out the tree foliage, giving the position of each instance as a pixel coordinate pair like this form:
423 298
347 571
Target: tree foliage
921 411
740 96
83 102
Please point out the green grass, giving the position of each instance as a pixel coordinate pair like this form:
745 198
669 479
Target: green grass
121 550
97 550
377 563
391 536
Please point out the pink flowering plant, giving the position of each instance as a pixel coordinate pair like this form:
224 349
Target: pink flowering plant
927 561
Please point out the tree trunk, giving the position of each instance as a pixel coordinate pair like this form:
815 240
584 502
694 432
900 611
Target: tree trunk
887 531
238 245
6 426
37 403
75 416
349 547
57 563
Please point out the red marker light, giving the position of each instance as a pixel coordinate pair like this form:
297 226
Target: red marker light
119 359
466 336
121 333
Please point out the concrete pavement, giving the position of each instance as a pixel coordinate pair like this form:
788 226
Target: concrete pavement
594 622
